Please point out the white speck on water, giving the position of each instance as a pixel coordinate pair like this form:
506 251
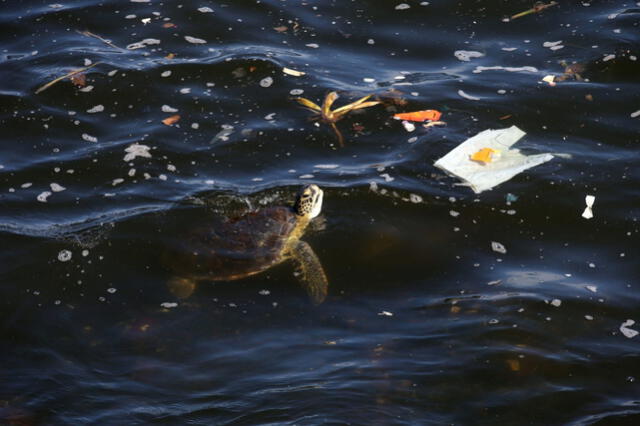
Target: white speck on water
264 292
112 73
592 288
502 91
185 90
117 181
171 167
162 177
402 6
412 139
131 172
95 109
205 9
387 177
467 55
64 256
369 80
195 126
136 150
509 49
556 303
87 137
608 58
371 41
130 17
494 321
42 197
415 198
165 73
551 43
466 96
307 176
169 305
167 108
210 182
266 82
270 117
143 43
326 166
588 317
87 62
635 114
86 89
257 179
385 314
498 248
454 213
57 188
26 185
296 92
313 45
111 290
626 331
194 40
408 126
526 68
85 253
558 47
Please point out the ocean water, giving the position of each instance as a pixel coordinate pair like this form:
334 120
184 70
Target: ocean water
424 322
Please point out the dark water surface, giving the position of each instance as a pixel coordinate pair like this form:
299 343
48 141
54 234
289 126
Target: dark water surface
424 323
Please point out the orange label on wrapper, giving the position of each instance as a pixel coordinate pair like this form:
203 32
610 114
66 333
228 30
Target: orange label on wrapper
426 115
485 155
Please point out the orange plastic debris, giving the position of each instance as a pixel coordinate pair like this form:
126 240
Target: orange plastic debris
484 155
428 114
171 120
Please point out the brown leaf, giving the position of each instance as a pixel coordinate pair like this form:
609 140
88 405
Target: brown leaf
79 80
171 120
168 25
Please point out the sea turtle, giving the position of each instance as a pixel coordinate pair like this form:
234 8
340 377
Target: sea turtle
251 244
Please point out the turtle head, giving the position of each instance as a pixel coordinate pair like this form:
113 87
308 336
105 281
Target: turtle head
309 202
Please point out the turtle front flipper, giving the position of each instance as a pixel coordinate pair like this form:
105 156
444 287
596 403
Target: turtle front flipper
312 275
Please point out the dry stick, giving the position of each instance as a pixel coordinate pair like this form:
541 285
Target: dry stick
338 134
535 9
72 73
90 34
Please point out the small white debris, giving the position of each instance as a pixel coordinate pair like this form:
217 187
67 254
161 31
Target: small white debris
86 89
608 58
592 288
549 79
64 256
369 80
556 303
167 108
589 200
387 177
185 90
588 317
326 166
85 253
402 6
454 213
385 314
136 150
307 176
117 181
111 290
481 68
144 43
270 117
165 73
551 43
408 126
87 137
266 82
57 188
162 177
194 40
195 126
205 9
42 197
497 247
296 92
558 47
292 72
414 198
97 108
628 332
467 55
635 114
26 185
171 167
509 49
313 45
466 96
264 292
169 305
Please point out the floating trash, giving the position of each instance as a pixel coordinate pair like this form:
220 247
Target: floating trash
589 200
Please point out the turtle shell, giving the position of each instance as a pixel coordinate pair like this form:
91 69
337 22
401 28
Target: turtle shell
238 247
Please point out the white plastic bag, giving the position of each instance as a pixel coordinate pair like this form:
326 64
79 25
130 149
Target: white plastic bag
509 162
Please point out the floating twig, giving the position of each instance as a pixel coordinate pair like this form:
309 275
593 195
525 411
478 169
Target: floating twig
104 40
72 73
537 8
